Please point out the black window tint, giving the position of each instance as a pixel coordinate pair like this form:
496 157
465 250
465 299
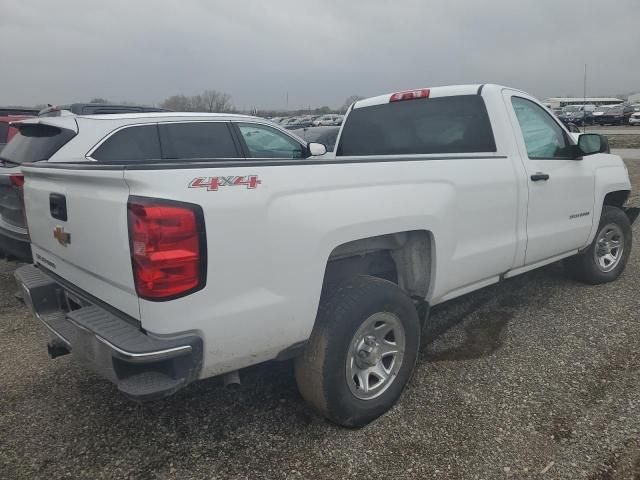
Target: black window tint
455 124
197 140
35 142
4 132
131 143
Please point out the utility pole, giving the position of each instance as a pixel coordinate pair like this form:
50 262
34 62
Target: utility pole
584 101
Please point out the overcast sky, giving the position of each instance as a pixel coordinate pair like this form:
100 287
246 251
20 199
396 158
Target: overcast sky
320 52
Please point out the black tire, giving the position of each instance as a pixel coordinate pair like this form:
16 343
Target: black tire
321 371
584 267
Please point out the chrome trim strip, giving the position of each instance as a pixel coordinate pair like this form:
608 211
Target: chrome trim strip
142 357
54 332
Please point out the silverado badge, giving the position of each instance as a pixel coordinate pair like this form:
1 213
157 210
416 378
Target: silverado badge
63 237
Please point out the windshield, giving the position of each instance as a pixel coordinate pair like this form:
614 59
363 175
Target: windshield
571 108
35 142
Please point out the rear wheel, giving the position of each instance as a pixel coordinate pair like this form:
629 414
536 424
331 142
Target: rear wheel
361 352
605 259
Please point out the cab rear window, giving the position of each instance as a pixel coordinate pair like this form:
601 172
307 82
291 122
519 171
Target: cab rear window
35 143
455 124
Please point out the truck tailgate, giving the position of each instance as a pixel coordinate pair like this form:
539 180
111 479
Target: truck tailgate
77 219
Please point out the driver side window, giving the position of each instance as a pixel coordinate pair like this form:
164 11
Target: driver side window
543 137
266 142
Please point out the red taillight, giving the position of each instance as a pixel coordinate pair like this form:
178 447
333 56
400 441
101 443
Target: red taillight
410 95
168 250
17 179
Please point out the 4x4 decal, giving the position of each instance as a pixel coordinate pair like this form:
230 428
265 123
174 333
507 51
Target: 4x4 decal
212 184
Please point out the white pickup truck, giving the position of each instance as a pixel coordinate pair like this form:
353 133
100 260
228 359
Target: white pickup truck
171 247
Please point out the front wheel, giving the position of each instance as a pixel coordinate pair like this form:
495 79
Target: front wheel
604 260
361 353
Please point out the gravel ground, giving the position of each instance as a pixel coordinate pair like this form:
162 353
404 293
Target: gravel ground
625 136
614 129
537 377
624 141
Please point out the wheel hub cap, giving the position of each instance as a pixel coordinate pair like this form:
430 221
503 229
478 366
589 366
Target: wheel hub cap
375 355
369 353
609 247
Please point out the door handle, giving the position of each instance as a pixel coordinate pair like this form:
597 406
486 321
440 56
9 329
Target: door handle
536 177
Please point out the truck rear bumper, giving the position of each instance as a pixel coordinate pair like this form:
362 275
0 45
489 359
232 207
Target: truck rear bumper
142 366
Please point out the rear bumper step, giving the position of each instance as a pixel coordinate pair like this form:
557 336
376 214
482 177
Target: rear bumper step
142 366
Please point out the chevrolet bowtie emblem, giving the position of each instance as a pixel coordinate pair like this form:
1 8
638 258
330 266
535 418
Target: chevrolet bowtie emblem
63 237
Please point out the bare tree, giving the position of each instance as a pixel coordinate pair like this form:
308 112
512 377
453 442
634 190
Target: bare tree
178 103
208 101
213 101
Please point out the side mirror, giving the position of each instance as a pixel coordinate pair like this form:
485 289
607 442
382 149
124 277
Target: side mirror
590 143
316 149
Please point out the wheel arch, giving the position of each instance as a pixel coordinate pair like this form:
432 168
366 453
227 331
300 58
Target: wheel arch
406 258
616 198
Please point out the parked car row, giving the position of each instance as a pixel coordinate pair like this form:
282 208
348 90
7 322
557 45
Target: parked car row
617 115
603 115
292 123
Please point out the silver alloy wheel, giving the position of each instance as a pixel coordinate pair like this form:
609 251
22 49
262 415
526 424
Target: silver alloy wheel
609 247
375 355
